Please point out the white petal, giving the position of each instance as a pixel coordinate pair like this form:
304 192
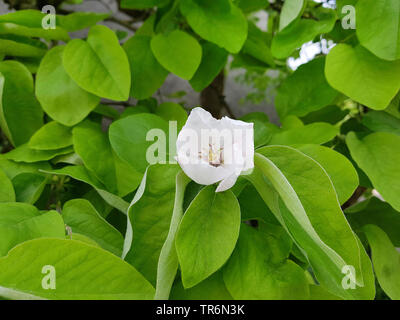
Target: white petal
227 183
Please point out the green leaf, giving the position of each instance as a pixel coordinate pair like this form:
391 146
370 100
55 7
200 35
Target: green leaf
207 234
315 133
149 219
168 261
378 27
25 154
263 129
99 65
299 32
20 222
291 10
92 145
19 49
305 90
49 34
381 121
342 173
82 272
252 273
257 46
80 20
378 213
29 186
319 293
362 76
315 222
128 138
20 113
61 98
251 5
212 288
378 155
217 21
147 74
171 111
178 52
82 218
213 61
141 4
28 18
252 206
13 169
51 136
81 174
7 193
386 260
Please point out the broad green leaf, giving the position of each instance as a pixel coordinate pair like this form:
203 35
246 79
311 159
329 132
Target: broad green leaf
212 288
51 136
362 76
80 20
315 133
386 260
251 5
25 154
299 32
305 90
20 49
378 155
147 74
319 293
7 193
252 273
378 213
178 52
20 113
381 121
291 10
20 222
82 272
149 219
263 129
168 260
82 218
316 223
141 4
207 234
49 34
252 206
12 168
61 98
128 138
28 18
29 186
92 145
257 45
107 111
99 65
80 173
217 21
213 61
378 27
342 173
171 111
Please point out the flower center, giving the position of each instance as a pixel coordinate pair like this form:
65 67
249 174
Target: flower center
213 155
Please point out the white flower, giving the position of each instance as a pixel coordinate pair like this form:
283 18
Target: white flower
211 150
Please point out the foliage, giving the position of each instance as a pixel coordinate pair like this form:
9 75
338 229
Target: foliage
70 163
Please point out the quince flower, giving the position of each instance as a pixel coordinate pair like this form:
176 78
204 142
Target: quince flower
211 150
